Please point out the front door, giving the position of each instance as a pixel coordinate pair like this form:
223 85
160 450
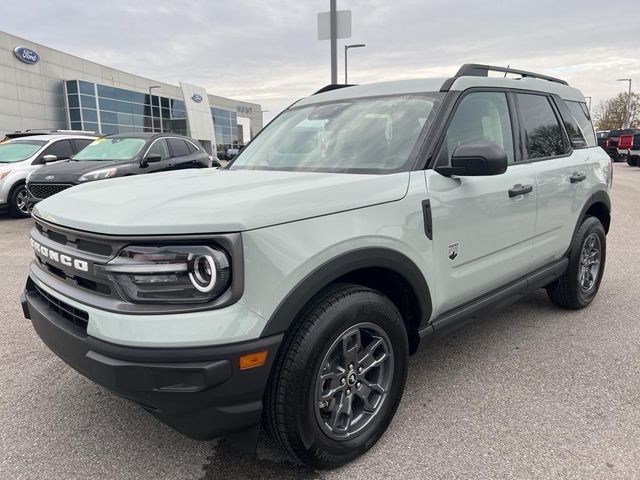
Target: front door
482 233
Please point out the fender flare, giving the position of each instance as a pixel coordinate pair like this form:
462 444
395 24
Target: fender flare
600 196
371 257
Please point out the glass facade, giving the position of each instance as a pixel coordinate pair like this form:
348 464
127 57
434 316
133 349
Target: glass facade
105 109
225 123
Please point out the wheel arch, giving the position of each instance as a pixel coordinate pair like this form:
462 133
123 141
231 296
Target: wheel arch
599 206
388 271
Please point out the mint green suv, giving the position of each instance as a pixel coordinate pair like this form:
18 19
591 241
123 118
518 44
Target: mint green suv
290 287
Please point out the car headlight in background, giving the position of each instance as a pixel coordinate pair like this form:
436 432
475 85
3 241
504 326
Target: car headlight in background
4 174
98 174
169 274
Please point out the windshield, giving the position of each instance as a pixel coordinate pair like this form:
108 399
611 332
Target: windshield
111 149
374 135
18 150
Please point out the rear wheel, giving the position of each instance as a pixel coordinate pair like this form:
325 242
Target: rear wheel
579 284
18 206
632 161
339 378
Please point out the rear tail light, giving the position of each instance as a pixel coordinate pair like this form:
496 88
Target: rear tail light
608 143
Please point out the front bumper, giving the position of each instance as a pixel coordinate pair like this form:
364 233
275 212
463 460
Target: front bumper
199 391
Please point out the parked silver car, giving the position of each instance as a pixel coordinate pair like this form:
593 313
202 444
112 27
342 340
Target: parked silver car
24 152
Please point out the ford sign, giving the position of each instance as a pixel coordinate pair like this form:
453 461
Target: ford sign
196 98
26 55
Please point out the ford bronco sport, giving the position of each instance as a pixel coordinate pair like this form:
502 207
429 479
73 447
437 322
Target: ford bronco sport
291 286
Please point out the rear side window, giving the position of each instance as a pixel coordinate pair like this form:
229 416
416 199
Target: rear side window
178 147
80 143
543 133
581 115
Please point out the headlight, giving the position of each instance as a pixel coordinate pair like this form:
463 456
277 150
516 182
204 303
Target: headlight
4 174
98 174
171 274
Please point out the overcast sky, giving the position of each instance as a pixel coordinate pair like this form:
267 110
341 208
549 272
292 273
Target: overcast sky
267 51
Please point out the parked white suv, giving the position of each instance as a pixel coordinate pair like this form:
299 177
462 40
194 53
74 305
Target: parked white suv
24 152
291 286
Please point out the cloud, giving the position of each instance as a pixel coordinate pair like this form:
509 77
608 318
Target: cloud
267 52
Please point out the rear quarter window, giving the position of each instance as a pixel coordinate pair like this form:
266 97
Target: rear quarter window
580 114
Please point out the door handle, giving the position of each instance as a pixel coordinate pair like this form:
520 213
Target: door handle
520 189
577 177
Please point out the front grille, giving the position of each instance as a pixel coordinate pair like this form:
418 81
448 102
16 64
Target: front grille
77 317
74 240
45 190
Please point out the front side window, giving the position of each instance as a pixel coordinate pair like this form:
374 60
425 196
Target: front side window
373 135
61 149
543 134
105 149
18 150
159 147
481 117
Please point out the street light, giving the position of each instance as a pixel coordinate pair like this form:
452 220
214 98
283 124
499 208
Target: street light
151 87
347 47
628 124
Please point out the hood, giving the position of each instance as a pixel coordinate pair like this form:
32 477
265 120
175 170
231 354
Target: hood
66 171
213 201
9 166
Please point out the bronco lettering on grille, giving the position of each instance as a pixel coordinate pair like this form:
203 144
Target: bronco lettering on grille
58 257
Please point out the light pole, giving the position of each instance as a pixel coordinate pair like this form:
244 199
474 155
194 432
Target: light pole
346 48
151 87
628 123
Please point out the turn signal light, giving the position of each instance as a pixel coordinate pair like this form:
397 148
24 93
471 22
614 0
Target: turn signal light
253 360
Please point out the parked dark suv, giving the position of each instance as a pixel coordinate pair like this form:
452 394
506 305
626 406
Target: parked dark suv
119 155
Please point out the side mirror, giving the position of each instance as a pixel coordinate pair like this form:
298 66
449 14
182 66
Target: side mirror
49 158
151 158
476 159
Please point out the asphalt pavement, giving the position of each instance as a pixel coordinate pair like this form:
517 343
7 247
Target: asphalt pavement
531 392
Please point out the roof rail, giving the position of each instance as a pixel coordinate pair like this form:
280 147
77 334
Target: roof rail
44 131
478 70
332 86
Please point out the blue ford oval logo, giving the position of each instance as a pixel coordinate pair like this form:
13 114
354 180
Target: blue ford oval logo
196 98
26 55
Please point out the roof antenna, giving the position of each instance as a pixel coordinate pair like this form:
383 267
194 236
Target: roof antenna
505 73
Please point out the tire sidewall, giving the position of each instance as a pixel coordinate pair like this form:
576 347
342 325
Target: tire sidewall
363 306
13 205
589 226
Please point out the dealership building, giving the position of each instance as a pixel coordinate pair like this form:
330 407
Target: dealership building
43 88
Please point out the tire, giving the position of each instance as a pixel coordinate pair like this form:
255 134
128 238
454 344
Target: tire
632 161
18 207
318 434
572 290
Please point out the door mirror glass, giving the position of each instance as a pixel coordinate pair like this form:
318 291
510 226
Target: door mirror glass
476 159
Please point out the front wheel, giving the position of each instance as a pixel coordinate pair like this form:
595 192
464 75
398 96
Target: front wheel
578 286
340 377
632 161
18 204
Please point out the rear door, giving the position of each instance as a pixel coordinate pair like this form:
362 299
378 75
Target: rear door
482 235
184 154
560 171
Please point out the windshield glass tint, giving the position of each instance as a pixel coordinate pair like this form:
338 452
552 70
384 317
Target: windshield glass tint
111 149
18 150
351 136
